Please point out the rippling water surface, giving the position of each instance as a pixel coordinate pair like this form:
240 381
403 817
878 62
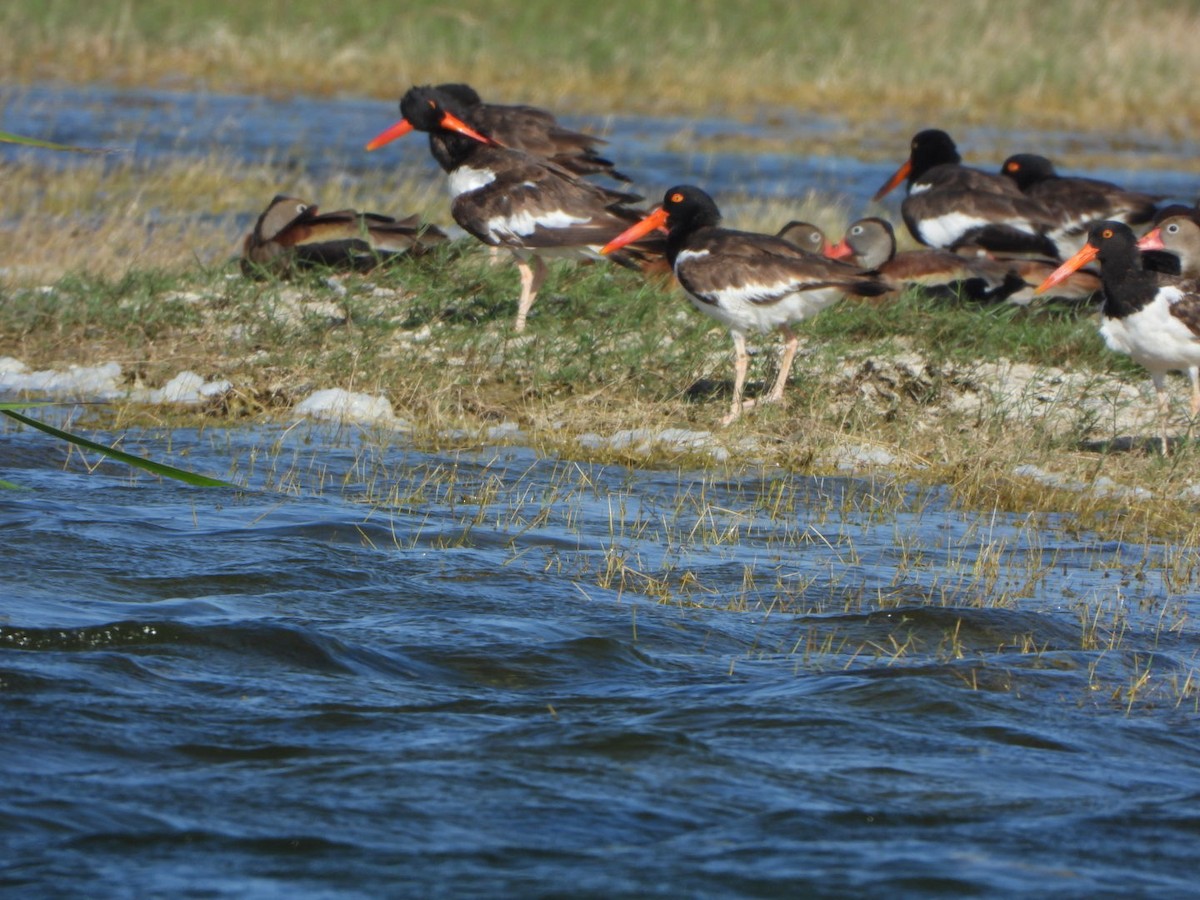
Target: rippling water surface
486 673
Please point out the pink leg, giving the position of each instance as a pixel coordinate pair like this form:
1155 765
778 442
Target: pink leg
1194 375
790 343
741 362
532 276
1164 406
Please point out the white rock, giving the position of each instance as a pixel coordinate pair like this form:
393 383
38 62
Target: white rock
346 406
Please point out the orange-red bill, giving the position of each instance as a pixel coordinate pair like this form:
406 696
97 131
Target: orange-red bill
1069 268
656 219
452 122
899 176
840 250
399 130
1152 240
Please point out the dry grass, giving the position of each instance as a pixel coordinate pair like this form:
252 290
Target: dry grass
108 216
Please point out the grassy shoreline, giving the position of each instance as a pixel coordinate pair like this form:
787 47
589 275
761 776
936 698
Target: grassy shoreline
608 352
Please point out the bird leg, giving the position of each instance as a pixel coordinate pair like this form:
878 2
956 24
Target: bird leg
1194 375
790 343
1164 406
532 275
741 362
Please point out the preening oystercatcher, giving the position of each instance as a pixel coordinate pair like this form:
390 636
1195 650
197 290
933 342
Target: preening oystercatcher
292 233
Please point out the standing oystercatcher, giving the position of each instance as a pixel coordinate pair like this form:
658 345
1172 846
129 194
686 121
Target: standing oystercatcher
1153 318
950 205
508 198
519 127
746 281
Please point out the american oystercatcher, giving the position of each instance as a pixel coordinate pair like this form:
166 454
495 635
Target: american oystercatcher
1152 317
870 243
1076 202
292 233
746 281
1176 232
805 235
950 205
519 127
508 198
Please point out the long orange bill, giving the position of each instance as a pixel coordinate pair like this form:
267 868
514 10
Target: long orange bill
1067 269
399 130
656 219
840 250
1152 240
452 122
901 174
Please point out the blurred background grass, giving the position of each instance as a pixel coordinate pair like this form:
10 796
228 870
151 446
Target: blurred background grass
1082 63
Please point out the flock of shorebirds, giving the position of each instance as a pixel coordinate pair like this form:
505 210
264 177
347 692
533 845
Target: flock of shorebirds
521 181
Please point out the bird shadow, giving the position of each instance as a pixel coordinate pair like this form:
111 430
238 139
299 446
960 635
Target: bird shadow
1134 444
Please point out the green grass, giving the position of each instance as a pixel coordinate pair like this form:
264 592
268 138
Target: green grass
1096 64
608 351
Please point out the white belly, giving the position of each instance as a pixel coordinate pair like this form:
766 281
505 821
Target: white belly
1154 338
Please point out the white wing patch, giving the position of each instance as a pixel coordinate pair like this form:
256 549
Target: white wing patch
525 223
463 180
950 227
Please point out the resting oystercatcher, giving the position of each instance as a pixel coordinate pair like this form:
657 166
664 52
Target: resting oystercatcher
508 198
805 235
292 233
870 243
519 127
746 281
1076 202
1152 317
1177 232
950 205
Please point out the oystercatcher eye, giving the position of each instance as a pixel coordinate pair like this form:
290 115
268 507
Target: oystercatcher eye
677 198
1106 233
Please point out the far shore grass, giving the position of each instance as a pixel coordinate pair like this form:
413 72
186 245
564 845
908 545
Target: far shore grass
1079 64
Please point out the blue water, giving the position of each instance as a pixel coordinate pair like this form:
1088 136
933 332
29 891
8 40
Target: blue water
388 671
324 137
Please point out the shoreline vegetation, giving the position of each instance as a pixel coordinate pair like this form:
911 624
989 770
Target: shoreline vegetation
977 398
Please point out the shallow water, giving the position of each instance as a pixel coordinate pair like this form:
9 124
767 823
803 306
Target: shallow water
325 137
484 673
